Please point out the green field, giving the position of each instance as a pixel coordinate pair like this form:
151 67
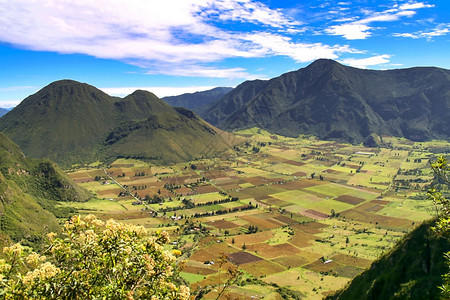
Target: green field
278 213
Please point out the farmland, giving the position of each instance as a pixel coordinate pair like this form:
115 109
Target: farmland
295 216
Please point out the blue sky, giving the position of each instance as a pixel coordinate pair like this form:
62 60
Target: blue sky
174 46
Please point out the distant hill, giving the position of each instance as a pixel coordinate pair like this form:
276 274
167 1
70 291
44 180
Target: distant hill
3 112
411 270
337 102
29 189
199 100
72 122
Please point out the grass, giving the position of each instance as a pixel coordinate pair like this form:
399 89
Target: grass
296 196
415 210
95 205
286 169
331 190
280 236
203 198
191 278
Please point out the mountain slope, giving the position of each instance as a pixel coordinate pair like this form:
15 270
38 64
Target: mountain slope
199 100
166 135
3 112
218 111
71 122
28 191
333 101
411 270
61 121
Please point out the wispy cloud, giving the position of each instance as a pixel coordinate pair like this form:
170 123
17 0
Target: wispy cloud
182 35
415 5
272 44
247 11
359 28
363 63
440 30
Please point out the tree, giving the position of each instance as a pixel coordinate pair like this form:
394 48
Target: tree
94 260
442 171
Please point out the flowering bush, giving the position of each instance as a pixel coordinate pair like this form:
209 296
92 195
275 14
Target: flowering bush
94 260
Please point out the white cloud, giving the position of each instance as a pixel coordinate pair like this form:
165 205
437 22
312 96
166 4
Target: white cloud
366 62
436 32
177 34
410 35
202 71
9 103
352 31
273 44
160 91
360 29
414 5
440 30
248 11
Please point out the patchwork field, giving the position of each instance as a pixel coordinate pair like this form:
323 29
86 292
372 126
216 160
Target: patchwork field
301 214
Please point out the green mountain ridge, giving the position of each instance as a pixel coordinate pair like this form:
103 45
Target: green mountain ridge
71 122
197 101
413 269
336 102
29 189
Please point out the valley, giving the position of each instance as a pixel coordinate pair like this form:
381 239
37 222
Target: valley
297 216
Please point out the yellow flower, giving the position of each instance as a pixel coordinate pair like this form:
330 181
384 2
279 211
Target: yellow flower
45 271
128 250
51 235
149 263
176 252
165 237
98 223
167 256
34 259
89 218
184 292
15 250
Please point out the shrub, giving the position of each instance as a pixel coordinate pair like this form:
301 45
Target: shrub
94 260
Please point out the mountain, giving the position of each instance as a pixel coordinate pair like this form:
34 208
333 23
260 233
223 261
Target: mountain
219 111
167 134
199 100
3 112
337 102
29 189
61 121
411 270
71 122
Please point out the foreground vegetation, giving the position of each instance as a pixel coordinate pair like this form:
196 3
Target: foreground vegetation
297 217
30 190
94 260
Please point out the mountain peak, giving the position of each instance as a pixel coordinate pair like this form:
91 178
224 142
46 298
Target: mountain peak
142 93
333 101
323 64
63 83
